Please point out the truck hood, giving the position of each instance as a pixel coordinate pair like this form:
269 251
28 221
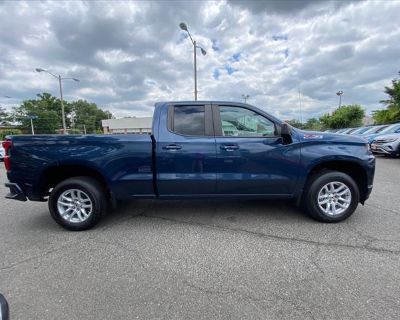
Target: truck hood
305 135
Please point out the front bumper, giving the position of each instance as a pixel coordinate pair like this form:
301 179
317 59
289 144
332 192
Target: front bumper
385 148
16 193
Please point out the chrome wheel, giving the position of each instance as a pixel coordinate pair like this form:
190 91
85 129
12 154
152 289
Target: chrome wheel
334 198
74 205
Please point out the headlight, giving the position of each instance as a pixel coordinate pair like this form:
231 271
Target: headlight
389 140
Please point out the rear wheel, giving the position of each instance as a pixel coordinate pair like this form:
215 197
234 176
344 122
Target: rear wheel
331 196
77 203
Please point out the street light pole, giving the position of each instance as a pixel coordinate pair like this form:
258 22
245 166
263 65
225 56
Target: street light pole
62 106
184 27
245 97
59 78
339 93
33 131
195 70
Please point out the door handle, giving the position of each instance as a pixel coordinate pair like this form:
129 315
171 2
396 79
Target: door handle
229 147
172 147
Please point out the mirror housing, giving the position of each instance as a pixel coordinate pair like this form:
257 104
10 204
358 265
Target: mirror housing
4 311
286 133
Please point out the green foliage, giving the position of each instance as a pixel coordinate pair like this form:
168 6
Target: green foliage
392 112
9 132
295 123
344 117
46 110
47 115
4 117
313 124
75 131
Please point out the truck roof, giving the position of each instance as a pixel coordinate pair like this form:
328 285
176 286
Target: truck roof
219 102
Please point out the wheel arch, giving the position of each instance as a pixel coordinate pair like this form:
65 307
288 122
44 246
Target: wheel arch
53 175
354 169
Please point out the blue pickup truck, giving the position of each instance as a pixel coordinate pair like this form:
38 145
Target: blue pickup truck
196 149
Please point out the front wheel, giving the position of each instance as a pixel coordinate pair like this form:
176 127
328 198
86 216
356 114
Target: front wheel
331 196
77 203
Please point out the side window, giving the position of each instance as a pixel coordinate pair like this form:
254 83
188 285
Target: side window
242 122
189 120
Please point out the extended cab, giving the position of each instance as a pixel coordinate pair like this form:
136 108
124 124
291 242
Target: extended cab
196 149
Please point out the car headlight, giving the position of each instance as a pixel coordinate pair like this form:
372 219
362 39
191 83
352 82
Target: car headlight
389 140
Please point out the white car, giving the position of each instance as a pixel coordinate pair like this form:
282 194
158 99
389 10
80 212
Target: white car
2 152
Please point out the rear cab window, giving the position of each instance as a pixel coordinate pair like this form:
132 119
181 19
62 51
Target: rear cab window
190 120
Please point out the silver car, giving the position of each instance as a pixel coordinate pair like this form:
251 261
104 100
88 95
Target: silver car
2 152
388 144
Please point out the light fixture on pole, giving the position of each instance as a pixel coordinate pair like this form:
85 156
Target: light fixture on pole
184 27
339 93
245 97
60 79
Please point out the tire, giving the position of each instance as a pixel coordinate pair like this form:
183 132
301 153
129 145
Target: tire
73 195
345 200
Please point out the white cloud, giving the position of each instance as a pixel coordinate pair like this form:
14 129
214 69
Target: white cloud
129 55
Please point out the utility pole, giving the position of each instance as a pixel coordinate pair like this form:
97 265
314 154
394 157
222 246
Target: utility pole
84 129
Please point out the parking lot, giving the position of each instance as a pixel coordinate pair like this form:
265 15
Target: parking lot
206 260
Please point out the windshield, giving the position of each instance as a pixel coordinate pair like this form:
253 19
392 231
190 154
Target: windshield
375 130
391 128
360 130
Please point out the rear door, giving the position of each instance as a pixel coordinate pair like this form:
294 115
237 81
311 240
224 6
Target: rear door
186 152
251 157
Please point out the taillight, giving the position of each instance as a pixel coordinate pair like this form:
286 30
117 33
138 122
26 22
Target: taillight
7 146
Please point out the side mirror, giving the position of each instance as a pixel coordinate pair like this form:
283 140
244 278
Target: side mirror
286 133
4 312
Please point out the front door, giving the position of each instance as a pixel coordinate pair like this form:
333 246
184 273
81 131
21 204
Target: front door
251 158
186 152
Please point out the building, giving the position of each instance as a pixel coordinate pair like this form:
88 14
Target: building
127 125
367 121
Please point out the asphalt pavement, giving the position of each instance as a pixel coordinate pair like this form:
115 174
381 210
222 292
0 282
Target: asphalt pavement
206 260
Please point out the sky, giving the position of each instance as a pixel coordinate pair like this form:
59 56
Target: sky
129 55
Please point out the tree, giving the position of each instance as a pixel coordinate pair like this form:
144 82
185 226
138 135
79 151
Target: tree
313 124
87 116
45 111
392 112
295 123
344 117
4 117
47 115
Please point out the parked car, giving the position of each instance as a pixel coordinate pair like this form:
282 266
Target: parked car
375 129
394 128
349 131
2 152
387 144
196 150
341 130
361 130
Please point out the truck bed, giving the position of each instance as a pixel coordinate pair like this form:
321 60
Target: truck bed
122 159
